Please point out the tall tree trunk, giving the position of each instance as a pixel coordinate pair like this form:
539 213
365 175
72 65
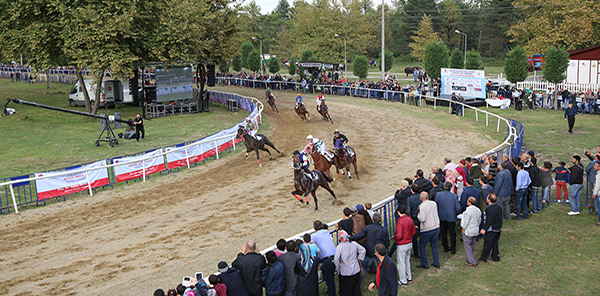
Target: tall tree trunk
98 93
48 77
86 96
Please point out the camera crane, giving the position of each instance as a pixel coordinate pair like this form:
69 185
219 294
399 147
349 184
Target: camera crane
110 135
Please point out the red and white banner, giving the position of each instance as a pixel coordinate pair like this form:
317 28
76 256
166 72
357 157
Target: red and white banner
178 158
71 183
136 169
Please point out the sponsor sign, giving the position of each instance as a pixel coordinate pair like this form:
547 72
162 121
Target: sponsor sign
71 183
469 83
136 169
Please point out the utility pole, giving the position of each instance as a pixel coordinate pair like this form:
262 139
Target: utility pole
382 40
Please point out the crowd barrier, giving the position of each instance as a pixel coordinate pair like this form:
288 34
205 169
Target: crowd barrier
36 189
546 86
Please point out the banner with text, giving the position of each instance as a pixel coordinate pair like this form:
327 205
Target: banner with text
178 158
469 83
136 169
67 184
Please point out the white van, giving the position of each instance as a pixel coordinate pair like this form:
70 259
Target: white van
111 92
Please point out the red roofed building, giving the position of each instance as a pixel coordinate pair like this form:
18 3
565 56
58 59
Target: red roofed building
584 65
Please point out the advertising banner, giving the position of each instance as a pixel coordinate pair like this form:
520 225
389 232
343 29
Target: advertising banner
66 184
178 158
469 83
135 169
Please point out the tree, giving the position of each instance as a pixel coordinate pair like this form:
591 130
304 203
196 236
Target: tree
307 55
450 21
254 60
292 68
436 57
236 63
414 10
495 19
556 64
457 60
224 67
274 65
360 66
516 65
474 60
283 9
389 60
425 34
247 47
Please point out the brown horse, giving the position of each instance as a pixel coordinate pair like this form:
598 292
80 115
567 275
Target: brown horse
271 101
324 111
321 163
305 185
302 112
253 143
343 160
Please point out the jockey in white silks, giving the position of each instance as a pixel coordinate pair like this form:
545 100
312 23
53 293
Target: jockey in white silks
319 146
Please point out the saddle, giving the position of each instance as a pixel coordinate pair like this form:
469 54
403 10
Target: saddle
329 155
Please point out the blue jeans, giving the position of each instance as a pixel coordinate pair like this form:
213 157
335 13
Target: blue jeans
597 201
432 238
546 193
522 203
575 197
535 202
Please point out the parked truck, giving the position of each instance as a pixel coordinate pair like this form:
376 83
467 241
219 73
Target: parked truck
111 93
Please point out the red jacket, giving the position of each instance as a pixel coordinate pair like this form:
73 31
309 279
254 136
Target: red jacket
405 229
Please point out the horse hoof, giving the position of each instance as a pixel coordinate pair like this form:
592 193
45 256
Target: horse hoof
260 165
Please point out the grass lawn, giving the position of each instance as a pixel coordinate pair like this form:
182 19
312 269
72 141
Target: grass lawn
36 139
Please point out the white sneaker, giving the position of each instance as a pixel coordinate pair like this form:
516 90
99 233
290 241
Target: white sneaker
571 213
577 213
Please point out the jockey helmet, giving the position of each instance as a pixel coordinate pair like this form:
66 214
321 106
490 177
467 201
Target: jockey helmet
320 94
298 95
296 152
310 137
248 119
268 89
336 132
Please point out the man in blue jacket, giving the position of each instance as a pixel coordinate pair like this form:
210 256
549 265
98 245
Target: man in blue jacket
375 234
503 188
385 280
469 191
448 208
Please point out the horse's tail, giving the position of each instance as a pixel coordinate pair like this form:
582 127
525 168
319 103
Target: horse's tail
268 143
327 178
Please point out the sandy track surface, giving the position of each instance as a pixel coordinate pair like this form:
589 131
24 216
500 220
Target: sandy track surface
132 240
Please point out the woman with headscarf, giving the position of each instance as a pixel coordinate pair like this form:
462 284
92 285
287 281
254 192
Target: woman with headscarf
346 260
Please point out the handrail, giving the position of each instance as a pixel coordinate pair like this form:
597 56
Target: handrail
258 103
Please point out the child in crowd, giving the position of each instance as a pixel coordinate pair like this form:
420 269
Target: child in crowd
219 289
547 182
561 180
280 247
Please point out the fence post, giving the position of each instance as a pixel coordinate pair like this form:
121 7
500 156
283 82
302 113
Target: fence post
87 177
498 128
187 158
217 149
12 193
486 119
233 143
434 102
476 115
449 107
143 170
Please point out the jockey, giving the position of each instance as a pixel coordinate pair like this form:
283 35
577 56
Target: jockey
339 141
299 101
304 163
319 146
251 128
320 101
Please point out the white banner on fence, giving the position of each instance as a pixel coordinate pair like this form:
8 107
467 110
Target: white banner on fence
66 184
178 158
469 83
136 169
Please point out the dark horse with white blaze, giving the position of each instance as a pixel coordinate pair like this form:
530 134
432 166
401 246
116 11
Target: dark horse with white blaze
305 185
253 143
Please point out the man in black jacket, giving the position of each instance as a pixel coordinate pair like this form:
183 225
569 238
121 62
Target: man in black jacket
570 114
576 185
437 187
491 229
250 264
375 234
424 184
232 279
536 182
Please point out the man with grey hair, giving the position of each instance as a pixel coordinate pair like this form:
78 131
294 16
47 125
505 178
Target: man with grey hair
470 229
250 264
375 234
503 189
430 230
492 170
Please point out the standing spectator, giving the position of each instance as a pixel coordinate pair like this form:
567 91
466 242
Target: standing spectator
385 280
358 223
375 234
523 181
273 276
492 228
291 263
503 189
310 249
437 187
576 185
536 182
232 279
561 180
492 171
424 184
547 182
250 263
591 172
220 288
346 260
475 173
405 230
346 223
448 208
368 207
403 193
570 114
323 240
470 229
280 247
596 192
303 85
139 127
485 190
469 191
430 230
414 201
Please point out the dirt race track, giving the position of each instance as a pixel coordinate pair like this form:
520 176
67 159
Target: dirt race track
133 240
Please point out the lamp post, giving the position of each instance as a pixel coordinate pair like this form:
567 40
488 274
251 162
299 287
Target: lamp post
382 40
262 57
345 58
465 60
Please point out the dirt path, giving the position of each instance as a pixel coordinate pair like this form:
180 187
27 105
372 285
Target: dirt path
132 240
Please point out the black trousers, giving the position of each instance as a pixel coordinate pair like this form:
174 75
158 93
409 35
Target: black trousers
571 121
446 227
328 268
415 238
350 285
490 244
139 130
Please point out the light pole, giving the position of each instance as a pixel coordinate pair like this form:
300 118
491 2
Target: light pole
382 40
262 57
465 60
345 58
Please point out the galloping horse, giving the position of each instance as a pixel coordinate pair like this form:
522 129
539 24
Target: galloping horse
323 110
302 112
343 160
271 101
256 144
321 163
305 185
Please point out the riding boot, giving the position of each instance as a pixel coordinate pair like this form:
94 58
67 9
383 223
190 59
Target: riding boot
308 172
